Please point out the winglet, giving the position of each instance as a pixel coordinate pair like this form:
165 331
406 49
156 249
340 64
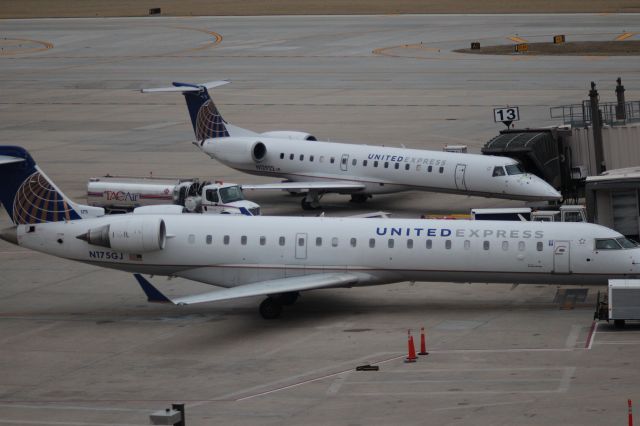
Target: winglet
153 294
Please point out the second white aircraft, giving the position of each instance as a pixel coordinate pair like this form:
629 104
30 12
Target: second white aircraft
316 168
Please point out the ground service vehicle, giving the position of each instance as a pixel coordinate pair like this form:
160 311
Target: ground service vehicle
621 303
123 194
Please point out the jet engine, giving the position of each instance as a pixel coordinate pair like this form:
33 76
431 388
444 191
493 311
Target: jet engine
237 150
135 235
286 134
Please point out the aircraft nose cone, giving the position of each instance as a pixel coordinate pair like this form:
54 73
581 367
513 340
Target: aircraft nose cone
9 234
539 188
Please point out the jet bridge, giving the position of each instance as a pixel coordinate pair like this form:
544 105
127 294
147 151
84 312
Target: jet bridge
536 149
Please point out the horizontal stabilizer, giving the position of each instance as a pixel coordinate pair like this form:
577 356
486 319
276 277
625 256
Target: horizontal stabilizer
184 87
308 186
7 159
284 285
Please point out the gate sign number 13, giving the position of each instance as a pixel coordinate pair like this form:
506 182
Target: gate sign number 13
506 115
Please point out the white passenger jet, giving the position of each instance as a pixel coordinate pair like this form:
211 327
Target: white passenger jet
281 256
316 168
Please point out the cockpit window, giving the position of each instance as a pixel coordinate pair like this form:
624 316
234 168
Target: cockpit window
514 169
607 244
626 243
498 171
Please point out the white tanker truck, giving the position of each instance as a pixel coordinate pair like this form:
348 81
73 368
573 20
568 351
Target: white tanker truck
124 194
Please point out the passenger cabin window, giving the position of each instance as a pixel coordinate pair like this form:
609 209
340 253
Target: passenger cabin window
607 244
301 157
409 243
418 168
211 195
263 240
467 244
225 240
447 244
386 164
318 241
354 162
282 155
441 170
397 166
311 158
505 245
209 239
290 156
334 242
281 241
429 244
514 169
332 160
353 242
364 163
406 166
498 171
539 246
429 169
191 238
521 245
372 242
375 163
485 245
322 158
243 240
390 243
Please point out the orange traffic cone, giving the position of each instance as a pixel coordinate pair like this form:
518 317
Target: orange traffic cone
411 357
423 343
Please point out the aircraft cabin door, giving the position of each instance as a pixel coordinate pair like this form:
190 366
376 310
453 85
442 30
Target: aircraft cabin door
344 162
561 257
301 246
460 181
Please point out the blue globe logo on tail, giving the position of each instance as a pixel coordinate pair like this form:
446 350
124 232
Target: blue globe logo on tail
209 123
37 201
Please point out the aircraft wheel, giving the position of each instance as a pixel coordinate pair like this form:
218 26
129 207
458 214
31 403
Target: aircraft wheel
309 205
270 308
359 198
286 299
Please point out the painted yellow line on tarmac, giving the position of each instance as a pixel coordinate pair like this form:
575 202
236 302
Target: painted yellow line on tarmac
624 36
517 39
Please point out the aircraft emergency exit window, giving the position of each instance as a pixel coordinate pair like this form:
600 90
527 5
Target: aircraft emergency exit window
406 166
311 158
441 170
344 160
409 243
334 242
498 171
521 245
301 241
243 240
607 244
263 240
505 245
353 242
429 169
191 238
281 241
485 245
447 244
397 166
386 164
390 243
290 156
332 160
375 163
282 155
429 244
209 239
364 163
627 243
225 240
467 244
514 169
539 246
354 162
318 241
301 157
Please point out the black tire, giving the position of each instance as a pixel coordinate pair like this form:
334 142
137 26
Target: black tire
307 205
270 308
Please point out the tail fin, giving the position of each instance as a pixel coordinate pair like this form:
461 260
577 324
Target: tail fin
27 194
205 117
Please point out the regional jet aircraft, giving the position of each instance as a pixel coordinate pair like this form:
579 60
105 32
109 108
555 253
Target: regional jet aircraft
281 256
317 167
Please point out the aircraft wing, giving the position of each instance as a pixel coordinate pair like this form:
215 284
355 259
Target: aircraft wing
308 186
283 285
7 159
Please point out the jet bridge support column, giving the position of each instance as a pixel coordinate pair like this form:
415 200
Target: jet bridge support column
621 113
596 126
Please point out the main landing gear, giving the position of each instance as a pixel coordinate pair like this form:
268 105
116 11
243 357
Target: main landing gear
271 307
311 201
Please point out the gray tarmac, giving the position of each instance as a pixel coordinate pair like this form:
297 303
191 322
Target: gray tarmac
79 345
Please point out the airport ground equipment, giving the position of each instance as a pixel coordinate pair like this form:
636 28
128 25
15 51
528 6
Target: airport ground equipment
566 213
620 303
124 194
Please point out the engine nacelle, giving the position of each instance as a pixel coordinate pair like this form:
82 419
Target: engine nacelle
237 150
289 134
135 235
